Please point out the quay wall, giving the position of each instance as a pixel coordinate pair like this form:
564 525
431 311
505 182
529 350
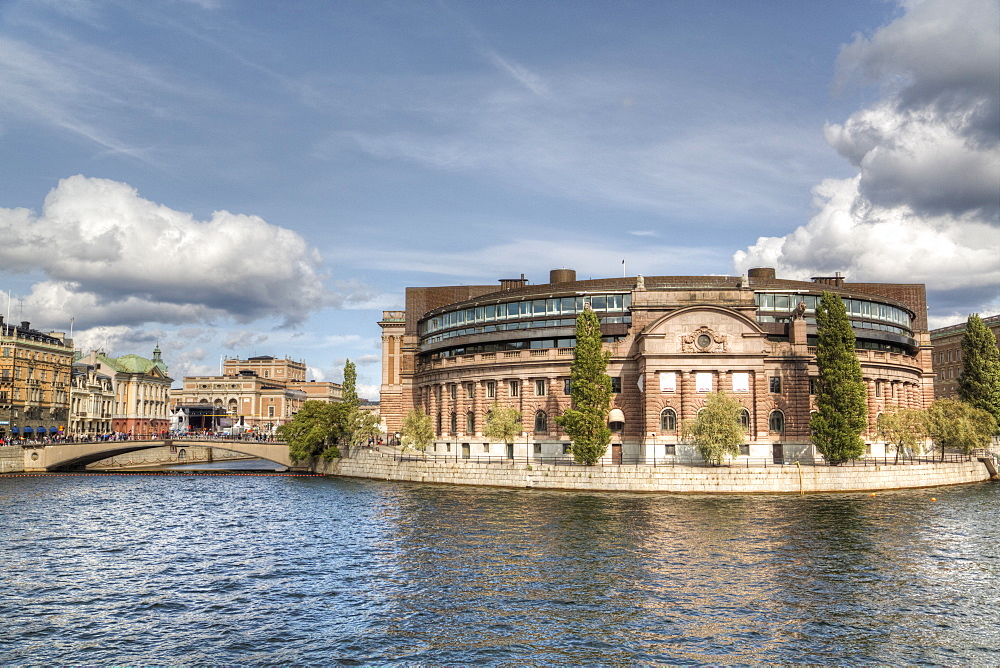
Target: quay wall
788 479
11 459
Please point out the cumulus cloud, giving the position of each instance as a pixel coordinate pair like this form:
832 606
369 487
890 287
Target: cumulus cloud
924 205
114 258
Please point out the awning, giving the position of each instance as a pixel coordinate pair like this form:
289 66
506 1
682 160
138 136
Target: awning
29 430
15 430
616 415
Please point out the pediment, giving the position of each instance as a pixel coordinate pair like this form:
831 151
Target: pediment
704 330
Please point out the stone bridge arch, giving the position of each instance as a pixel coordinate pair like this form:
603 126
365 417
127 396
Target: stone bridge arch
65 456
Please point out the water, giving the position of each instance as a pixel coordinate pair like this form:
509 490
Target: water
260 569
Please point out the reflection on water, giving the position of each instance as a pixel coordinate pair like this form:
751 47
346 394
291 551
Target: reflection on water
210 569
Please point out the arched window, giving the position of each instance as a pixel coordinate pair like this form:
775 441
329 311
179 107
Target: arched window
745 420
470 423
541 423
668 420
776 422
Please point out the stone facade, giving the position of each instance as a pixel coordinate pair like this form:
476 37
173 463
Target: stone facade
141 387
946 357
257 394
672 339
35 376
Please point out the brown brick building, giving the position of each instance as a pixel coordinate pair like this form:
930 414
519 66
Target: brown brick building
673 339
946 356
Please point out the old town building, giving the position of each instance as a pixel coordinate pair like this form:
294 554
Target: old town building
92 401
456 350
35 369
141 389
947 356
258 393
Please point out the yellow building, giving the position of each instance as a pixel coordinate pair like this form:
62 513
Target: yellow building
258 393
35 369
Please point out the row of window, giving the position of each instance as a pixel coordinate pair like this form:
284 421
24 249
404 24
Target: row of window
541 422
775 421
523 324
771 301
609 303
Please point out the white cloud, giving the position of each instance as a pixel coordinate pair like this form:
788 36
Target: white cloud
115 258
924 205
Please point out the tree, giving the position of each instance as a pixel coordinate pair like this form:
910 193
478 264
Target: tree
586 422
417 431
359 426
717 432
841 396
314 430
904 429
960 426
979 384
503 423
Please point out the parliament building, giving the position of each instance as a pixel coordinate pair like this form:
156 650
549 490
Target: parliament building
455 350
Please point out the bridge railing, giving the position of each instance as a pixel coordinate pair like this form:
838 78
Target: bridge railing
150 438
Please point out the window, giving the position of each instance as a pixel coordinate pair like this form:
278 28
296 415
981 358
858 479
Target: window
745 420
453 391
486 447
668 381
741 382
541 423
567 448
540 387
616 385
776 422
567 387
270 411
775 384
538 448
470 391
812 386
454 422
491 389
514 387
470 423
703 382
878 388
745 449
668 420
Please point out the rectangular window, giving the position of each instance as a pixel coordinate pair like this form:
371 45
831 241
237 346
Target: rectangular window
745 449
486 447
703 382
741 382
616 385
515 388
270 411
775 385
540 387
567 387
453 391
470 391
491 389
668 381
878 388
567 448
538 448
812 386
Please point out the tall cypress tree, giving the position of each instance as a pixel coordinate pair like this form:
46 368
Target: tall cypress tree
586 422
841 396
979 384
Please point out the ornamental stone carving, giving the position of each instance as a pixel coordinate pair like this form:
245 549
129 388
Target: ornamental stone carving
704 340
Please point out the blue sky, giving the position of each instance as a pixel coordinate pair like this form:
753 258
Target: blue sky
246 178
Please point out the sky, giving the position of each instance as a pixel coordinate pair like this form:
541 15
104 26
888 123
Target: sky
227 178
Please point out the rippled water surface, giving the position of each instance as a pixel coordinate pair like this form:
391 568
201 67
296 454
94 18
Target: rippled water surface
264 569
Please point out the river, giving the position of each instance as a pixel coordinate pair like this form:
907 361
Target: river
262 568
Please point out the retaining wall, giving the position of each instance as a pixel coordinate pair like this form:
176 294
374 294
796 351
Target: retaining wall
11 459
789 479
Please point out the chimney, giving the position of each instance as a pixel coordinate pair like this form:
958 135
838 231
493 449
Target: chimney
562 276
512 283
836 280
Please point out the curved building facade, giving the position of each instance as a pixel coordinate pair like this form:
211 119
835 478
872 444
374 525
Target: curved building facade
456 350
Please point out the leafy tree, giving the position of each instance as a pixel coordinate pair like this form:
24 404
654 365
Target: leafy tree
841 396
417 431
717 432
314 430
960 426
360 426
904 429
979 384
586 422
503 423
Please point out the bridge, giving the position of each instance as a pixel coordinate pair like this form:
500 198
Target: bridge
66 456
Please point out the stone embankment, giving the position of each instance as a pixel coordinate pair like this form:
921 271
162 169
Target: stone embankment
787 479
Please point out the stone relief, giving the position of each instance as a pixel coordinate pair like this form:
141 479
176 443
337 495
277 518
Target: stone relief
704 340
